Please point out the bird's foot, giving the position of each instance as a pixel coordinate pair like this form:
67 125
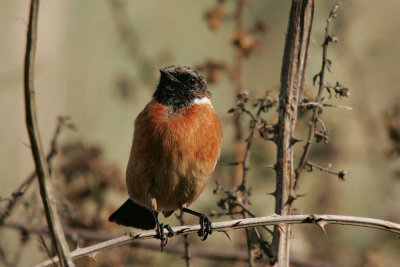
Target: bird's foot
205 227
161 234
205 223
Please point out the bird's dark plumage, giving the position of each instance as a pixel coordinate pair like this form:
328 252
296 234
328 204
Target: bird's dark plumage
134 215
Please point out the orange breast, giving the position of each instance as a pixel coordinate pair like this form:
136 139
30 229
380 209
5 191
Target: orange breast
173 154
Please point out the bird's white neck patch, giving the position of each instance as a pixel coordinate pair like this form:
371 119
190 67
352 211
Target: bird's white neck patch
204 100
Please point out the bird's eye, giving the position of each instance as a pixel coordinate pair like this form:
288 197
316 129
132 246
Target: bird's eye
192 81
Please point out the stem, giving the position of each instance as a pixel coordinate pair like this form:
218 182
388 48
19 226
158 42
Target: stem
42 168
185 241
292 86
318 99
237 75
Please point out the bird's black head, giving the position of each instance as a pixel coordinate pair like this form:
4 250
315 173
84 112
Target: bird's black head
179 86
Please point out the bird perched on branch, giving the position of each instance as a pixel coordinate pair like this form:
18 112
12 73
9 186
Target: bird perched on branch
174 152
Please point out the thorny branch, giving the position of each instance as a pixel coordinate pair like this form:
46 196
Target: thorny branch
340 174
242 48
173 247
42 168
227 226
293 75
239 196
339 89
20 191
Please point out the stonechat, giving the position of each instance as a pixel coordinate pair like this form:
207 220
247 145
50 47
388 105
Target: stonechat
176 145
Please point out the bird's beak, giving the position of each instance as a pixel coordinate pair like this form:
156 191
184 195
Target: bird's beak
168 75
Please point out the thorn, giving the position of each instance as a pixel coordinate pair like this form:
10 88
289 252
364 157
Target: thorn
272 194
291 198
227 233
321 225
328 64
296 196
315 77
271 166
294 140
92 257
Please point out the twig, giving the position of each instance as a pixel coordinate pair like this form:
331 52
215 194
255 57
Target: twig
185 242
317 108
320 220
237 76
316 104
20 191
173 247
42 168
45 246
239 178
341 174
292 86
243 188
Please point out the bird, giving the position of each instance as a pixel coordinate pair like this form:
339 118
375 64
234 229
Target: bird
175 148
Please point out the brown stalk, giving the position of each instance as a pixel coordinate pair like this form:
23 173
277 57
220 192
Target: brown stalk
292 86
237 75
239 176
42 168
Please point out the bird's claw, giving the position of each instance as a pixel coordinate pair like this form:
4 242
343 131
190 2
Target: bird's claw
161 234
205 227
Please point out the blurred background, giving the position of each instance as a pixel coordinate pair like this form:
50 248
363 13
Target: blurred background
97 67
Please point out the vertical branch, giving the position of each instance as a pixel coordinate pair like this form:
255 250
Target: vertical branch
292 85
42 169
185 241
237 76
318 99
240 154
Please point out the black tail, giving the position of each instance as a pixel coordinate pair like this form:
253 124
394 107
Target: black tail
134 215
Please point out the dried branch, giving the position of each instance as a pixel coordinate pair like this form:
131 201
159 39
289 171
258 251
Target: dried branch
226 226
42 168
239 196
326 65
185 241
238 81
241 153
320 105
173 247
292 87
20 191
340 174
